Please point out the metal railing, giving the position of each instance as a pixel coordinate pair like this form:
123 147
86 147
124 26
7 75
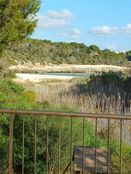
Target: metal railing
105 128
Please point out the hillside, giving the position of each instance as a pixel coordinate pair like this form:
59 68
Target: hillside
47 52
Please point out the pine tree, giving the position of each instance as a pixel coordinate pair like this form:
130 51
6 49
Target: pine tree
17 20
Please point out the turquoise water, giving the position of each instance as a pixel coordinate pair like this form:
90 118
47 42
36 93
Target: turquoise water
77 75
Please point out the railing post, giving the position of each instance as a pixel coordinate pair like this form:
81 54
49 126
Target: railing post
11 144
83 150
96 127
120 146
47 141
59 146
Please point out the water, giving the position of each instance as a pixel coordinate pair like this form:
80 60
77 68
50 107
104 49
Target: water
75 75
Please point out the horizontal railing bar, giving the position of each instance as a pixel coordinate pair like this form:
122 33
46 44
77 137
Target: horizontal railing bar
65 114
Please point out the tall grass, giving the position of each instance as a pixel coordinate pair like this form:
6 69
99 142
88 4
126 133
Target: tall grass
108 93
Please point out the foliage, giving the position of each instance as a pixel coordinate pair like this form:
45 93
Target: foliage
116 79
47 52
126 158
17 20
14 96
128 54
108 77
11 96
24 100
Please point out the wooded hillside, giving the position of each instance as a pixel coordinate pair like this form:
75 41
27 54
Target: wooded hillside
47 52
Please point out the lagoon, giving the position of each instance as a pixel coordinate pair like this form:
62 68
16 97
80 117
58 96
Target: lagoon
39 77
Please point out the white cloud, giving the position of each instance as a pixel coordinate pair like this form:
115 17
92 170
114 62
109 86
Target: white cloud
112 47
107 30
55 19
104 30
75 33
66 14
127 29
72 34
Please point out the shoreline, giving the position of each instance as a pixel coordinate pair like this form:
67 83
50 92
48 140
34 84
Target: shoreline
29 73
38 78
64 68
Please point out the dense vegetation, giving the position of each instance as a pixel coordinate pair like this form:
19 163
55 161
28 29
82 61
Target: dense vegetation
14 96
101 93
17 20
47 52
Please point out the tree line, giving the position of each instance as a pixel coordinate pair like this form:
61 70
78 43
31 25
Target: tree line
47 52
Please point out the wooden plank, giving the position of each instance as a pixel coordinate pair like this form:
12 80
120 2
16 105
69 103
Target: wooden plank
86 155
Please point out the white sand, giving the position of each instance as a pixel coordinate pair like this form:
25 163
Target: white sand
28 77
36 78
28 67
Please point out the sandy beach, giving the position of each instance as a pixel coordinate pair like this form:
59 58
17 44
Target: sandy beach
36 78
38 68
35 73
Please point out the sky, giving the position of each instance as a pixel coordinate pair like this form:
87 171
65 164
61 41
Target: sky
105 23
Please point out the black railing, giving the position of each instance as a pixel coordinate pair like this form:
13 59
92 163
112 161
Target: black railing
86 134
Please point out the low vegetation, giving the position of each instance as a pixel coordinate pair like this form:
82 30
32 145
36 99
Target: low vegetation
101 93
14 96
17 21
47 52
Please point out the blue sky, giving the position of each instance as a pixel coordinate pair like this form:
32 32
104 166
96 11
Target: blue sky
106 23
